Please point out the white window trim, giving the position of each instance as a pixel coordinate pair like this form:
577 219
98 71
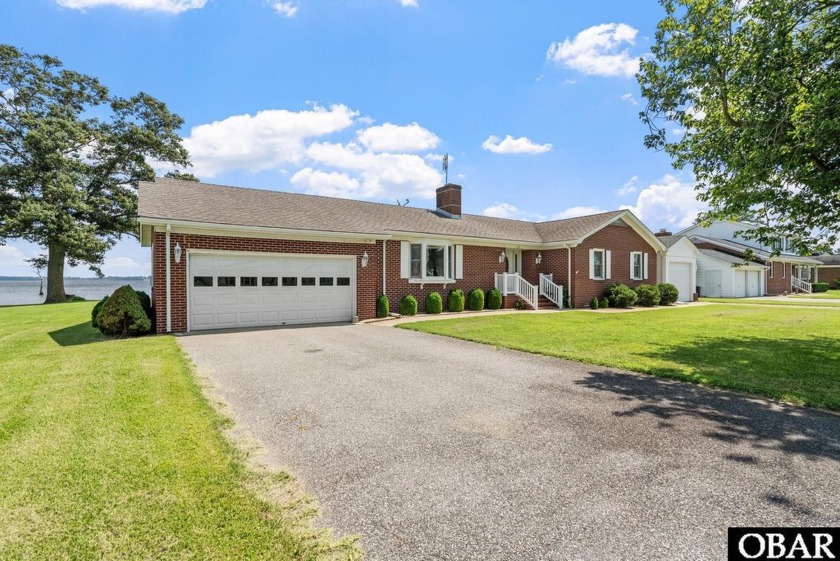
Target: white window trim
633 255
604 264
449 276
772 263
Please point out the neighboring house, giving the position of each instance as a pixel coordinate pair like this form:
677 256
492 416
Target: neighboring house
723 271
828 270
680 267
234 257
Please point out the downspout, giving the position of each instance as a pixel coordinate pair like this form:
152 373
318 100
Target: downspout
168 283
569 274
384 275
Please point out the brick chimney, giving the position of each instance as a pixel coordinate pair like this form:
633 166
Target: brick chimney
663 232
449 200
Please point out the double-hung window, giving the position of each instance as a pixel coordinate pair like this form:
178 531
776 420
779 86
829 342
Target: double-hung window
430 261
598 261
638 265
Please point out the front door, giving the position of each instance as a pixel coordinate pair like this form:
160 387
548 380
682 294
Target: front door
713 284
514 258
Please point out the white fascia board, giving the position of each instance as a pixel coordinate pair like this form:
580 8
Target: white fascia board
467 240
236 231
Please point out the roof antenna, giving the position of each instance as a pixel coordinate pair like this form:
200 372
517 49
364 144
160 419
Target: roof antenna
445 166
402 204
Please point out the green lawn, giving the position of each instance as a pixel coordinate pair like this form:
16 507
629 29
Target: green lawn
108 450
779 301
785 353
830 295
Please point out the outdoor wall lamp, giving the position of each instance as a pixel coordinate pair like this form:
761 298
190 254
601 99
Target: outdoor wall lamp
365 259
502 256
177 252
539 258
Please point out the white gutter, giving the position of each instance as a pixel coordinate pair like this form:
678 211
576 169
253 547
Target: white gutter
384 275
168 284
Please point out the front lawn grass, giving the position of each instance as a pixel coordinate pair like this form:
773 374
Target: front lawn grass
832 294
778 301
783 353
108 450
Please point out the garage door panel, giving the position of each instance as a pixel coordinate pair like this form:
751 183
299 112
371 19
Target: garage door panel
680 276
270 298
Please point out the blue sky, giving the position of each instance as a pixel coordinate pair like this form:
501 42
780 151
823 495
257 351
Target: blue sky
535 101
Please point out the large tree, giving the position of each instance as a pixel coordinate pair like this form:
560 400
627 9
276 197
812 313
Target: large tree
747 93
71 155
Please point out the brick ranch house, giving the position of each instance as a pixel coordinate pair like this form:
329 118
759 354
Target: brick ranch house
233 257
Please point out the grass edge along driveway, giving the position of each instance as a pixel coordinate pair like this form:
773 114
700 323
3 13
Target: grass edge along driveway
110 450
779 352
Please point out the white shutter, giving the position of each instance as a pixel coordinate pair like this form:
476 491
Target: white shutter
405 260
608 274
459 261
632 263
645 265
591 263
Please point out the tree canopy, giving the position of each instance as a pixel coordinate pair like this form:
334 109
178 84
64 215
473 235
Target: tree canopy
71 155
747 94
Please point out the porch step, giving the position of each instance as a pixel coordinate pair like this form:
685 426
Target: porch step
546 304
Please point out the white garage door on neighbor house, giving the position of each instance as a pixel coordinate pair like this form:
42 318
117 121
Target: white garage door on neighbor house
680 276
228 291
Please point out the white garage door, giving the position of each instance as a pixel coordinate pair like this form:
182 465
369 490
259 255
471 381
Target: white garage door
752 283
679 274
251 291
740 284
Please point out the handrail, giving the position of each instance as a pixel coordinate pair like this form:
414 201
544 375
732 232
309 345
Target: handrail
553 292
512 283
800 284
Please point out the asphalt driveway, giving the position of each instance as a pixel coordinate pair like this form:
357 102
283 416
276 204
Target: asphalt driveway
434 448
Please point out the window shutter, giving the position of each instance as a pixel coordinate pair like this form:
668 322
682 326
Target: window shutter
591 263
459 261
645 265
632 265
608 266
405 260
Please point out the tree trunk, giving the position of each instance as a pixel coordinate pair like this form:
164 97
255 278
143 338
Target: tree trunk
55 274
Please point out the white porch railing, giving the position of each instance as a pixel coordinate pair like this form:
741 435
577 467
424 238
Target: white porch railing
512 283
800 285
553 292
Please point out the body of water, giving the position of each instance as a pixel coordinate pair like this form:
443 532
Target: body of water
26 291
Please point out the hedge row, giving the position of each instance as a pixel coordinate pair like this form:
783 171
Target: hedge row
456 301
646 295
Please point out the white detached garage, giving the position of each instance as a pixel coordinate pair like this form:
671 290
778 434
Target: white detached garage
680 266
721 275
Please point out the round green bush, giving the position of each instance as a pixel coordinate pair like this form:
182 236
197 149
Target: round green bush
408 305
819 287
604 303
475 299
648 295
594 304
456 300
434 303
146 304
621 296
494 299
668 293
123 315
383 306
96 309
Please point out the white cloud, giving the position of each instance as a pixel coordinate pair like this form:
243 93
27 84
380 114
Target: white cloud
510 145
576 211
629 187
383 175
167 6
596 51
409 3
329 184
10 255
262 141
629 98
501 210
396 138
122 266
668 202
285 9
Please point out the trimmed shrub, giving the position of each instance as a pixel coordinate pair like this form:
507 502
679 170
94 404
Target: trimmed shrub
819 287
146 304
383 306
456 300
475 300
434 303
668 293
123 315
408 305
566 302
520 304
837 283
494 299
604 303
648 295
594 304
96 309
621 296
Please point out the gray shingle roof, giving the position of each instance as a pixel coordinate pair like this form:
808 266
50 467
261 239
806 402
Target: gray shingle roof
833 260
668 241
170 199
726 258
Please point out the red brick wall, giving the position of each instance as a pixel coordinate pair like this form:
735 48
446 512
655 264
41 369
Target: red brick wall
368 279
480 266
449 198
829 275
781 278
621 240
